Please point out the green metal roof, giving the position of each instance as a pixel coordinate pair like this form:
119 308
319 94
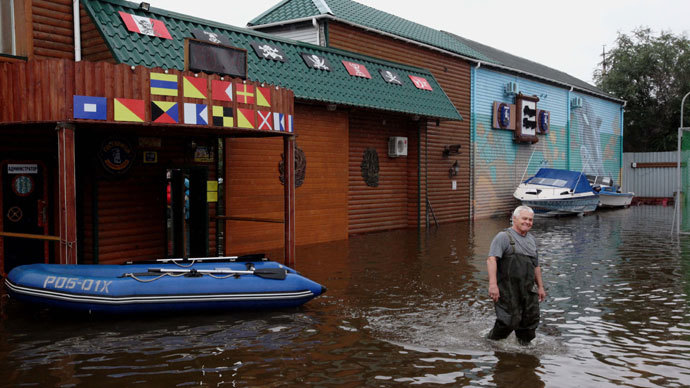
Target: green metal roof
360 14
355 13
334 87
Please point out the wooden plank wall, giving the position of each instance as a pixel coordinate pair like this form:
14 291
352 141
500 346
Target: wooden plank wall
93 47
391 204
454 76
254 190
53 29
42 90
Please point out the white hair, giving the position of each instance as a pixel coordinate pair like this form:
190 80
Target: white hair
520 209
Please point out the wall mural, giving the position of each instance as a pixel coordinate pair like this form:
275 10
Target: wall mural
586 133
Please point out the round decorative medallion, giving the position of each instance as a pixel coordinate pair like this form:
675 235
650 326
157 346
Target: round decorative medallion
116 155
370 167
300 167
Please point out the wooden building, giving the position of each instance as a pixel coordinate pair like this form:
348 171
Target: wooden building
124 146
585 135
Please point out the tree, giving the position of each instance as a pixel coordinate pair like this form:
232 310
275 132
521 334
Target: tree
652 74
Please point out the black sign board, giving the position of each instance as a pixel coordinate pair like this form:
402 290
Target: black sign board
269 51
215 59
391 77
316 61
211 37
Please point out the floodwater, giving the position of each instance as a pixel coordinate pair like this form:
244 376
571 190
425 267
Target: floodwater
403 308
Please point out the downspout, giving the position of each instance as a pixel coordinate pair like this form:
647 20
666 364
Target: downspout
473 136
620 167
567 128
77 31
316 27
419 176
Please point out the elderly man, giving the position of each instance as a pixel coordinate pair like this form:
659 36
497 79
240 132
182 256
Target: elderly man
515 283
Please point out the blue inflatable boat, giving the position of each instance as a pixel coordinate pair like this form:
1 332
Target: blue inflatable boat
166 285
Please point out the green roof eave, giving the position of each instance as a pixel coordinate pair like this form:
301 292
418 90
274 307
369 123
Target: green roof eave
334 87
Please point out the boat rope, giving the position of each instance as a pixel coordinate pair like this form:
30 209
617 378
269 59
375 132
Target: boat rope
191 263
222 277
134 276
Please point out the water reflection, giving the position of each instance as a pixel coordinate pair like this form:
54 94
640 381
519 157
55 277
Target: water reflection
404 308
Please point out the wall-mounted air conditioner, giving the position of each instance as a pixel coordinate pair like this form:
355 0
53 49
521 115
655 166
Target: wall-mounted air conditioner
397 146
576 102
511 88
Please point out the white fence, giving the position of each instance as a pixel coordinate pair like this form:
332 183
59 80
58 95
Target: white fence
650 174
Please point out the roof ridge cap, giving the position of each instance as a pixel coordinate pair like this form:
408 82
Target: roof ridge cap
322 6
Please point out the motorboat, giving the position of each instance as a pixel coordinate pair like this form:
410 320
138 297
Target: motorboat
552 192
610 195
165 285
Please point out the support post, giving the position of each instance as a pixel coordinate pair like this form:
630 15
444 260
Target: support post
289 190
67 194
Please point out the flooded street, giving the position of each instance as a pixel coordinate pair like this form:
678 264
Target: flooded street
404 308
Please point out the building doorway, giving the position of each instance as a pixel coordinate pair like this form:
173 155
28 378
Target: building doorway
25 213
187 212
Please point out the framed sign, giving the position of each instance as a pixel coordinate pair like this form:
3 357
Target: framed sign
214 58
526 119
116 155
503 116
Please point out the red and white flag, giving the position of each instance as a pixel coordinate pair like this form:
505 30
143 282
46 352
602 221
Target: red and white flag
144 25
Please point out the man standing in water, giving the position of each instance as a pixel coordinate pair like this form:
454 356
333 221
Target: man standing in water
515 283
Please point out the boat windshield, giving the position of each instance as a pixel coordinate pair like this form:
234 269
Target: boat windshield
548 182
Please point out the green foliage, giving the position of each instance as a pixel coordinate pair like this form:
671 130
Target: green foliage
651 73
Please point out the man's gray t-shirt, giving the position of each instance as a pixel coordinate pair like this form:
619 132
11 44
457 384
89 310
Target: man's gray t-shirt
526 245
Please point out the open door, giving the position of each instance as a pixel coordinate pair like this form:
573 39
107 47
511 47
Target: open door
25 213
187 212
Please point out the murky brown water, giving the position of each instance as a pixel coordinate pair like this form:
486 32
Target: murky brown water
403 309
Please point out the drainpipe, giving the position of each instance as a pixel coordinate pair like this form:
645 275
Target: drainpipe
473 136
316 27
77 30
567 128
620 167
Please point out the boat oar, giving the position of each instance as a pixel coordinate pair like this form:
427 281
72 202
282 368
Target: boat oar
266 273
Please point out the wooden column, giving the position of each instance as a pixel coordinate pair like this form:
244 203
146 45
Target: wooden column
67 194
289 187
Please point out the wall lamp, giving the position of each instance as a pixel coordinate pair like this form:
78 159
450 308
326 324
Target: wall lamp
144 6
454 170
452 149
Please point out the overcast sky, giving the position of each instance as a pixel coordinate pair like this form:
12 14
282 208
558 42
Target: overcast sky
565 35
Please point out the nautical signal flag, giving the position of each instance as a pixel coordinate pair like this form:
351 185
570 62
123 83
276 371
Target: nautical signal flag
195 114
127 109
221 90
164 84
223 116
88 107
263 96
144 25
282 122
245 93
164 112
245 118
278 121
265 121
194 87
